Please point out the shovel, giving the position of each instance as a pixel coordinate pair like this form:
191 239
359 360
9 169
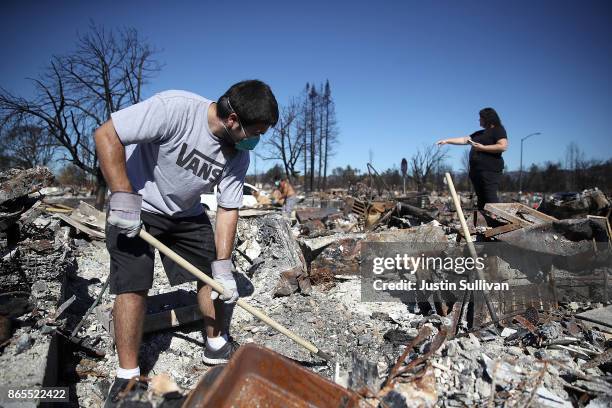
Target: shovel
470 244
182 262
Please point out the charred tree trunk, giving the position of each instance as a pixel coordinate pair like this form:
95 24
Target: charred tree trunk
313 94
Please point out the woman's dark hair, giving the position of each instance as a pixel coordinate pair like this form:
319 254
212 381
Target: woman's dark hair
490 117
253 102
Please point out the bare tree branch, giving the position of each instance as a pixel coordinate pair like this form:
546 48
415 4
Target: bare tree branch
78 92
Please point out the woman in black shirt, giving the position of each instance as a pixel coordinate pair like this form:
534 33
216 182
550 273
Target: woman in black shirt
486 162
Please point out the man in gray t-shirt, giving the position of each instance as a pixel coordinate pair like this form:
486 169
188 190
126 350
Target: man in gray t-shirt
158 156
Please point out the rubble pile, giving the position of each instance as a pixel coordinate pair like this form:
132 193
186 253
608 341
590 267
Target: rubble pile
35 259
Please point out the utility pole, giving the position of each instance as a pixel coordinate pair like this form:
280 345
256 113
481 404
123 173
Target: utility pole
521 168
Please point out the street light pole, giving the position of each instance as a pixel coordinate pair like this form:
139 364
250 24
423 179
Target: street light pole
521 168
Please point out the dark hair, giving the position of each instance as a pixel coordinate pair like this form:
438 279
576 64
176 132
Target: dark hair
253 102
490 117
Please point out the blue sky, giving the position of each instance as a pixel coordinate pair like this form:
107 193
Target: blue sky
403 73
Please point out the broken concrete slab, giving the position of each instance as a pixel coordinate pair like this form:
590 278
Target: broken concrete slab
251 212
251 249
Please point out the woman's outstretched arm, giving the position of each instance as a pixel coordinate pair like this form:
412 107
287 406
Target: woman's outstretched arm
454 141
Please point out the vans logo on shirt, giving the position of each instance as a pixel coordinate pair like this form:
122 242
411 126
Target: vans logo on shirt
199 164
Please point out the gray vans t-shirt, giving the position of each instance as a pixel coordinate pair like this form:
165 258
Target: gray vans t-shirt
172 157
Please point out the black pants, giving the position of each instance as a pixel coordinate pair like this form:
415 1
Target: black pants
486 184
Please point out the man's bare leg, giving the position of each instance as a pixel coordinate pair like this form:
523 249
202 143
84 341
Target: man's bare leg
128 314
212 310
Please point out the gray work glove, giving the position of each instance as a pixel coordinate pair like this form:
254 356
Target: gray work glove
222 273
124 212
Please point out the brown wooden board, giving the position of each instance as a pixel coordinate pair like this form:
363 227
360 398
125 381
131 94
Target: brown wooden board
81 227
511 213
501 230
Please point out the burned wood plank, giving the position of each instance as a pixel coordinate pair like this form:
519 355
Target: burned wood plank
405 208
511 211
81 227
501 230
89 210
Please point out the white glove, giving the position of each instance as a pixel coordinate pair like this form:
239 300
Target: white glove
124 212
222 273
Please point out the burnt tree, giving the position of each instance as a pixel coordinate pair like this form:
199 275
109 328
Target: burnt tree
77 93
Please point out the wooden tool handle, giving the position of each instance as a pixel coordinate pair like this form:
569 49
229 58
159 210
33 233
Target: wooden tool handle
182 262
464 226
470 244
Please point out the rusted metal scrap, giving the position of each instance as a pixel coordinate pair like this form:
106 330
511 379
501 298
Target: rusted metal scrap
355 206
401 367
435 344
341 257
420 386
256 376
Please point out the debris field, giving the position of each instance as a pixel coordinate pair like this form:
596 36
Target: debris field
306 273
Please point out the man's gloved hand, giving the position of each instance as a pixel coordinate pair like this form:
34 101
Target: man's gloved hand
222 273
124 212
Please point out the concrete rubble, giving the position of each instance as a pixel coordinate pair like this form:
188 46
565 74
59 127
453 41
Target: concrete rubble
306 276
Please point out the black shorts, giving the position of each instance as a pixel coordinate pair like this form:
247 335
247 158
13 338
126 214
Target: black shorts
131 259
